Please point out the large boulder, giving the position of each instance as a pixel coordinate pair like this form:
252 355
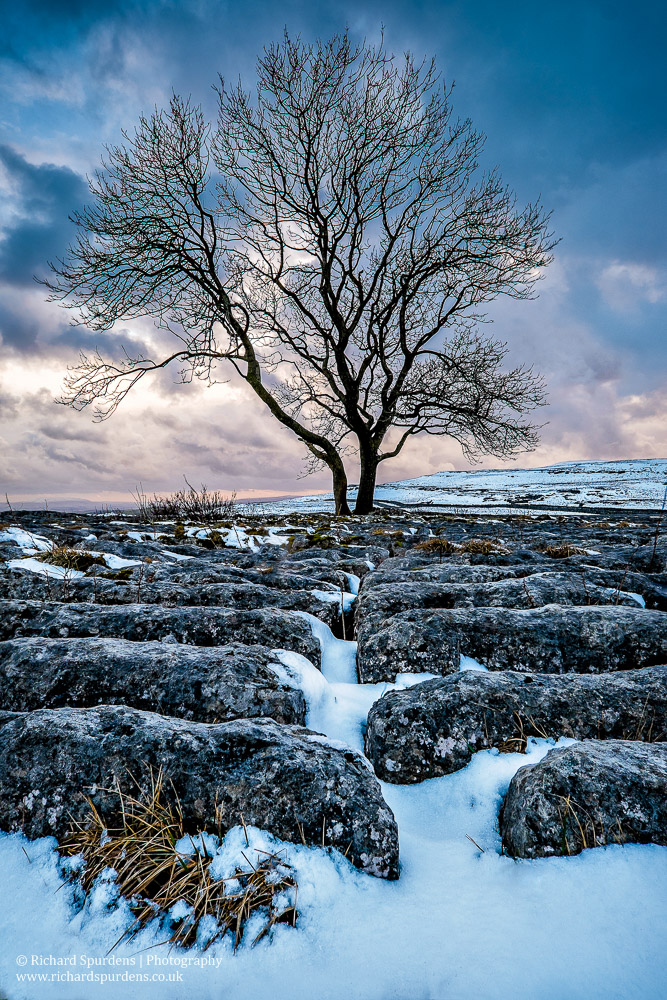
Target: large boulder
284 779
271 574
552 639
434 728
536 590
587 795
407 571
144 622
652 587
244 596
206 684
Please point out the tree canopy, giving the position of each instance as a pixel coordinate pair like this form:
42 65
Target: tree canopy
333 239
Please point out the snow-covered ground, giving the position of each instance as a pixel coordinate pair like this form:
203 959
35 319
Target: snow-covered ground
633 484
463 922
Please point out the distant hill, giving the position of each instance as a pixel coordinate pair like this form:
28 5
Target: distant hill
634 484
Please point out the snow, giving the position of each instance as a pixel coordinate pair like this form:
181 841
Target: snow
633 484
335 597
25 539
31 544
635 597
116 562
463 922
295 671
238 537
44 569
203 843
242 845
458 924
467 663
339 658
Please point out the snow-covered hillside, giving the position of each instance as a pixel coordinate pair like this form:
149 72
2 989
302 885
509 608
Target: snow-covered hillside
634 484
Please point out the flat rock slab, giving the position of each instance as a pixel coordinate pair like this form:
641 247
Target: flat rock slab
18 584
145 622
6 717
434 728
651 586
268 574
552 639
587 795
283 779
404 571
350 553
205 684
534 591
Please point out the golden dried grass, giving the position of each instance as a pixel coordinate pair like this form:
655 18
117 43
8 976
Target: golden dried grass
153 875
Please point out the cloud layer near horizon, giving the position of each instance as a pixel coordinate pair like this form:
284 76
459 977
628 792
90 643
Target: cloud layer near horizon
562 122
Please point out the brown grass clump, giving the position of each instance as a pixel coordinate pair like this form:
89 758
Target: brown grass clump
483 546
154 876
517 742
69 558
437 547
583 831
562 551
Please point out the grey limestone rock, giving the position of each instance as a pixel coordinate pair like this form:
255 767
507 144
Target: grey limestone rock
205 684
284 779
98 590
552 639
587 795
434 728
405 571
536 590
145 622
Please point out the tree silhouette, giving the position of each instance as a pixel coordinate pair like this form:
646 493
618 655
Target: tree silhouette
333 240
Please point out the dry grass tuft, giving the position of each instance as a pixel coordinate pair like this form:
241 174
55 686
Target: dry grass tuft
483 546
581 826
386 533
69 558
154 876
437 547
562 551
517 742
187 503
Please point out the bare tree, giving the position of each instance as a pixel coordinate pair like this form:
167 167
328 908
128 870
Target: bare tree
332 241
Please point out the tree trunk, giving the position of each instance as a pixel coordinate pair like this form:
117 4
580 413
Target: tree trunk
367 476
340 490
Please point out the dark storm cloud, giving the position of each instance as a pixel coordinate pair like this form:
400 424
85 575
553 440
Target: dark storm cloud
80 338
28 331
18 330
40 199
557 87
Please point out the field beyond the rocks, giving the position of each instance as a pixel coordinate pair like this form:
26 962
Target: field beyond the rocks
447 729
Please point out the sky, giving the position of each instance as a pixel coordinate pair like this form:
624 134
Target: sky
571 97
